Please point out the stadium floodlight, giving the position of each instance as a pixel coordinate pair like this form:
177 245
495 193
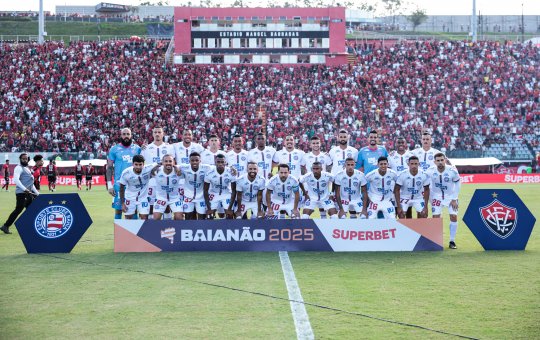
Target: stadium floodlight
41 23
473 22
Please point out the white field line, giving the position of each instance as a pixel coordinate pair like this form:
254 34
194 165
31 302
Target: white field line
298 309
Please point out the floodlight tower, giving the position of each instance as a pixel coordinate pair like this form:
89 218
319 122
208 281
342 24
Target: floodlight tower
41 23
473 22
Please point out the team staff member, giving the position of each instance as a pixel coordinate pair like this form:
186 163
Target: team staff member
5 171
25 190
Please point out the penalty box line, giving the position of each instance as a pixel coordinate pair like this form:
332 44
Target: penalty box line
260 294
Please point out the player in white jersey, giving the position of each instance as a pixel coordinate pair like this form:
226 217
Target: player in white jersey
445 186
315 186
194 174
208 156
294 158
238 157
262 155
316 155
341 152
282 194
134 188
350 188
167 189
425 153
153 153
381 183
398 159
412 190
249 193
219 189
186 147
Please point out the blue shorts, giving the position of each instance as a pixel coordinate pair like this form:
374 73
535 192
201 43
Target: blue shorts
116 204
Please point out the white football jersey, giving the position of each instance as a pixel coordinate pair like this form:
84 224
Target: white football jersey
154 153
238 161
412 186
263 158
295 159
427 158
167 186
136 184
398 162
282 192
323 158
250 189
350 187
182 153
381 188
339 155
318 188
209 157
220 184
193 186
444 184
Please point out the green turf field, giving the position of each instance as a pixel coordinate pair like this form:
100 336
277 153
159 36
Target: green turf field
94 293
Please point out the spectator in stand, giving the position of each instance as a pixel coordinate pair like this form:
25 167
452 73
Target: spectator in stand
6 173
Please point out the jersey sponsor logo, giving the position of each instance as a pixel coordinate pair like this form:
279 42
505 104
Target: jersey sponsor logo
500 219
53 222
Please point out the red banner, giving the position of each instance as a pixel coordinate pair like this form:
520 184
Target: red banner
64 180
500 178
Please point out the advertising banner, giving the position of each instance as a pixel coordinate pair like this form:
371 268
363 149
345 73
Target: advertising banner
500 178
53 223
62 180
499 219
278 235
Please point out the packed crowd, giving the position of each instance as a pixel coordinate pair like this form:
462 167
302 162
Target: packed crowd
63 98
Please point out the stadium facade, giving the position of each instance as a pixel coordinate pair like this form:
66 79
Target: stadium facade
259 35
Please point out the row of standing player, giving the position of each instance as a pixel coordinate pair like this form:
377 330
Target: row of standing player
266 157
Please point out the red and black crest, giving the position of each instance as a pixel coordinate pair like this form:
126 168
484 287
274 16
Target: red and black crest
499 218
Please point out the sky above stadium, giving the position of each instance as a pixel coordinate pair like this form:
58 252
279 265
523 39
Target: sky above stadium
433 7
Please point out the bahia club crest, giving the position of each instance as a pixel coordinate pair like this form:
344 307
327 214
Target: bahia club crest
53 223
499 219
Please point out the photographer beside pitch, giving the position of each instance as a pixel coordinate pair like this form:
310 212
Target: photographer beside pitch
25 191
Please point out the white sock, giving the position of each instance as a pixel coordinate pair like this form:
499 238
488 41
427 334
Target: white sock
282 216
334 217
323 214
353 216
150 216
167 216
453 231
305 216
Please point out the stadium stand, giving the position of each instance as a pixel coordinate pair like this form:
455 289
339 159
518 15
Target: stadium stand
481 98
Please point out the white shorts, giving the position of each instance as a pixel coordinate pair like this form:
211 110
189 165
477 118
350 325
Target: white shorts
220 204
355 205
152 191
191 206
387 208
314 204
161 205
246 206
287 207
140 206
418 205
438 204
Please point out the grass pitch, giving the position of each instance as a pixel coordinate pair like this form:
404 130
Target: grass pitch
94 293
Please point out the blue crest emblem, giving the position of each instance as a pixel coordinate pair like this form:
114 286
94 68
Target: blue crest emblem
446 179
53 221
389 182
430 157
418 183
